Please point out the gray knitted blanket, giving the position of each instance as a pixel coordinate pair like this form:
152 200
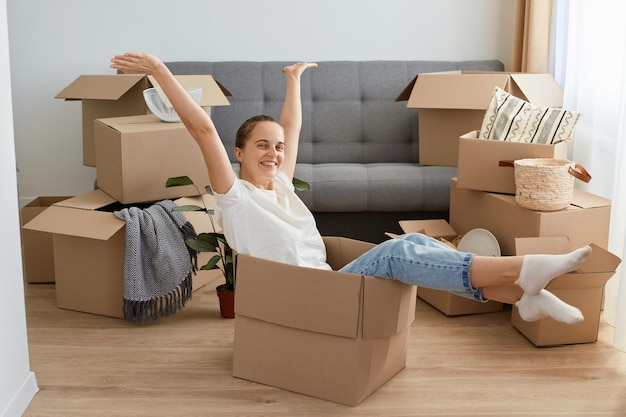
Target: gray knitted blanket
158 265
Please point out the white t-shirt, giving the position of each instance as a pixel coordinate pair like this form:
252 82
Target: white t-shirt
270 224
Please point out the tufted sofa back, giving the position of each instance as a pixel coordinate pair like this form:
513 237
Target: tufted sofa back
349 110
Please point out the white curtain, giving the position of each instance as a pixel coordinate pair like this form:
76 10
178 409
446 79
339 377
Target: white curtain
590 63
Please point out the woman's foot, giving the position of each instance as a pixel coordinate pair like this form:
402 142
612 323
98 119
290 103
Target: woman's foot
538 270
532 307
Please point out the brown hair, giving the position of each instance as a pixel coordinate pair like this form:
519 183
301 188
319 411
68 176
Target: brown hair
245 130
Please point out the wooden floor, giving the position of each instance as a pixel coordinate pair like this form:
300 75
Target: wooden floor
92 366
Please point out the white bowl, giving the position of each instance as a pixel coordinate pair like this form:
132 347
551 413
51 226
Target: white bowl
161 107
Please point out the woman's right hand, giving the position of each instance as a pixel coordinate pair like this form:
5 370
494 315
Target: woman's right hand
136 62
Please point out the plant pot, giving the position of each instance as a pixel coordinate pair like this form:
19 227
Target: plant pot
227 302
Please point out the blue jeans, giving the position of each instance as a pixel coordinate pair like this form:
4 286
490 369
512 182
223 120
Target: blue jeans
420 260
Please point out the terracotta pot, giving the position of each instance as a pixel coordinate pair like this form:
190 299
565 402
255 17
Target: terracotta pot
227 303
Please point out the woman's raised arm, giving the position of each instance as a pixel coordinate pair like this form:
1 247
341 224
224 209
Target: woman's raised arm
291 115
195 119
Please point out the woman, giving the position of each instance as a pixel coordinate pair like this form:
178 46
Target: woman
263 217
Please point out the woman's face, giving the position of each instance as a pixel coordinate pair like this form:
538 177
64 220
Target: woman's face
263 154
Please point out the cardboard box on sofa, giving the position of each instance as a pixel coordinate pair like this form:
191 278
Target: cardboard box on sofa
453 103
444 301
89 244
37 250
582 288
137 154
478 167
585 220
326 334
114 95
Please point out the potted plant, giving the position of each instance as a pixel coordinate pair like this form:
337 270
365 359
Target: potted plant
215 242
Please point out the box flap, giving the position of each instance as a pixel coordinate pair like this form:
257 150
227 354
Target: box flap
600 259
100 87
585 200
77 222
406 93
303 298
431 227
213 93
455 90
538 89
92 200
340 250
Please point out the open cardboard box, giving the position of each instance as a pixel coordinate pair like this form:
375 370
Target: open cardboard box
479 159
444 301
453 103
135 155
89 244
582 288
585 220
115 95
326 334
37 249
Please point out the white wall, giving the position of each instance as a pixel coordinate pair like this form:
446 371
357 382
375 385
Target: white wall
17 382
53 42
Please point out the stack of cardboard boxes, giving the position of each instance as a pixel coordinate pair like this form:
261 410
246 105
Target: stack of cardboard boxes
78 242
451 108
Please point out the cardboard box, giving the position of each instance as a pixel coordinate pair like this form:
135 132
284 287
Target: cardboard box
37 250
330 335
114 95
453 103
89 244
582 288
444 301
479 159
135 155
585 220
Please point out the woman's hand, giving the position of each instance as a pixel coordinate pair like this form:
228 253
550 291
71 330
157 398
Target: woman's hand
136 62
298 68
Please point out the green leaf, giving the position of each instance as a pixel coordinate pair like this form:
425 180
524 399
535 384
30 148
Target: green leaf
211 264
189 207
178 181
203 243
300 185
209 190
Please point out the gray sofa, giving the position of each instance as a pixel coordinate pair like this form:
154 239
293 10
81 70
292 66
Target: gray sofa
358 146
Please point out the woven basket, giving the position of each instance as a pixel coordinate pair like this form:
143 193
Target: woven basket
546 184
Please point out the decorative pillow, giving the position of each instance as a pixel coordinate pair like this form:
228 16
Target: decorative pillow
513 119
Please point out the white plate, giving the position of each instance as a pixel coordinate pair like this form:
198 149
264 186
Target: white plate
481 242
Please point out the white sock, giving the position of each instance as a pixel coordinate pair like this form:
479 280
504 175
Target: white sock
538 270
532 307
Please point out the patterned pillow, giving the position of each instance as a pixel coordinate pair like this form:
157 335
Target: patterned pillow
513 119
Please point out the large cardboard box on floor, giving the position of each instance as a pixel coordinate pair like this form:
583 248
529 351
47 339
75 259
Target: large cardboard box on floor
448 303
453 103
479 160
89 246
585 220
330 335
582 288
135 155
114 95
37 249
